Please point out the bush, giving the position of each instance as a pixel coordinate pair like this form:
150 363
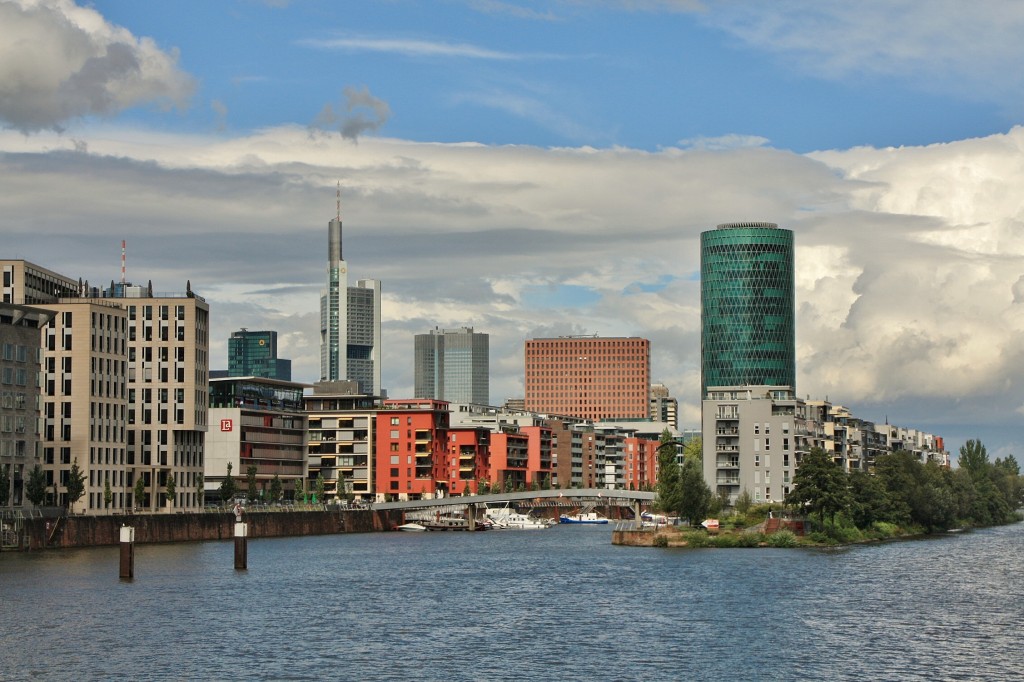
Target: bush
696 538
783 538
661 541
749 539
884 530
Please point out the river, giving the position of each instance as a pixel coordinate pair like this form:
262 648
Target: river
558 604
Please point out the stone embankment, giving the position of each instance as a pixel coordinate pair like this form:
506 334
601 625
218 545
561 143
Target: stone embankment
94 531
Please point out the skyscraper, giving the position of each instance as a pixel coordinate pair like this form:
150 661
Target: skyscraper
349 320
747 306
589 377
453 365
254 354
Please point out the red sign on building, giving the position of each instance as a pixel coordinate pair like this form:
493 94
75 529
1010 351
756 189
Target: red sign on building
225 424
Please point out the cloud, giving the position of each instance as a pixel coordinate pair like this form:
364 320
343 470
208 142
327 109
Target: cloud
60 62
939 46
721 142
413 48
909 276
365 113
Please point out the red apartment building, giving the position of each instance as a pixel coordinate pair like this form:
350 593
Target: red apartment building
412 441
469 459
588 376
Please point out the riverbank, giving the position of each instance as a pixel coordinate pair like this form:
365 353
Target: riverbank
96 531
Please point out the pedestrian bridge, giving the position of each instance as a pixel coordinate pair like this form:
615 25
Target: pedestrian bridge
567 496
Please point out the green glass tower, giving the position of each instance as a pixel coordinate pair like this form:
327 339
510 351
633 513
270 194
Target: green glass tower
747 305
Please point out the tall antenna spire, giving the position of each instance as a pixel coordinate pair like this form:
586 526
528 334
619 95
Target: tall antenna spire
122 261
338 200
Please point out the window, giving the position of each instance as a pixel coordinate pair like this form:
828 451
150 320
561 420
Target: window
757 429
394 421
757 460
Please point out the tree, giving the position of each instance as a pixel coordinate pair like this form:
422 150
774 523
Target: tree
321 484
974 458
250 477
200 489
275 488
5 485
108 494
75 485
35 488
227 486
744 501
171 488
870 500
140 491
695 495
669 493
819 485
299 493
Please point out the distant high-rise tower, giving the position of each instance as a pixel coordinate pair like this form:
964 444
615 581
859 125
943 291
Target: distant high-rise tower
664 408
254 354
453 365
589 377
349 320
747 306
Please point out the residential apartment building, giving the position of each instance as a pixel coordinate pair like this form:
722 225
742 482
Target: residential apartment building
412 448
254 354
590 377
20 363
664 408
452 365
342 440
255 422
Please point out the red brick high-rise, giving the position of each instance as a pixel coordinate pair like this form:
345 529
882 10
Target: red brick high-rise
588 376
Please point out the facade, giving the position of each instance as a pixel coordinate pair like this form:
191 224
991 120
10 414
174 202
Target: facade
664 408
20 363
342 442
28 284
255 422
350 338
412 449
453 365
590 377
747 306
254 354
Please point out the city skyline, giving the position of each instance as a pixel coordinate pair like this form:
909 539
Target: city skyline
546 180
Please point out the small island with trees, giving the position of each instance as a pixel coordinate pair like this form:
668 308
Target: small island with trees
901 497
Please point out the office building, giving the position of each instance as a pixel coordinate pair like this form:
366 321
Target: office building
254 354
350 339
664 408
747 306
452 365
589 376
20 358
255 422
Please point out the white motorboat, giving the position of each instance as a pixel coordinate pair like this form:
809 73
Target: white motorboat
411 527
506 518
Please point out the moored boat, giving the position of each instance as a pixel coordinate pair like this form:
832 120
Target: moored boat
505 518
411 527
582 517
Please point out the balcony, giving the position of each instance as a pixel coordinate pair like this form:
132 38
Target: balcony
726 480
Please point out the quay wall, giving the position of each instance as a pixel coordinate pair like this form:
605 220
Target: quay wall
95 531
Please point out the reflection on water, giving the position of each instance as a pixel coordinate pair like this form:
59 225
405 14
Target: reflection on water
505 604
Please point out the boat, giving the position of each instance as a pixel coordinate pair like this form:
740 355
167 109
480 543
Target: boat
411 527
582 517
505 518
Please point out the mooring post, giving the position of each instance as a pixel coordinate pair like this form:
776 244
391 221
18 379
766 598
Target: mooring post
241 549
636 515
471 516
127 552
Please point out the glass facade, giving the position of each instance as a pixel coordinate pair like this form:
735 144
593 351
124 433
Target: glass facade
254 354
453 365
747 306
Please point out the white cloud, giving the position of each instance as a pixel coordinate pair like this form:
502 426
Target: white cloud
416 48
60 62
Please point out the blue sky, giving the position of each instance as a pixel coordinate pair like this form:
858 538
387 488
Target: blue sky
544 168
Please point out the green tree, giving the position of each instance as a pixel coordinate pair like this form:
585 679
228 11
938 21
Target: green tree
75 485
250 477
819 485
171 489
870 501
227 486
744 501
974 458
35 487
321 484
108 494
5 485
695 495
200 489
140 491
300 490
669 491
275 488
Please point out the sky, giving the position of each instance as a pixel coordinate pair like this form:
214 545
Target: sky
536 169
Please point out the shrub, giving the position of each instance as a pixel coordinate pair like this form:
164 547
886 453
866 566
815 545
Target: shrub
661 541
696 538
783 538
749 539
883 529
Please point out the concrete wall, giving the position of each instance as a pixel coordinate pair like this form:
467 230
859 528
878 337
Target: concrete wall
92 531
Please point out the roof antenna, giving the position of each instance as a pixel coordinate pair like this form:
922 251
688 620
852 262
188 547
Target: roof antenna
122 263
338 200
